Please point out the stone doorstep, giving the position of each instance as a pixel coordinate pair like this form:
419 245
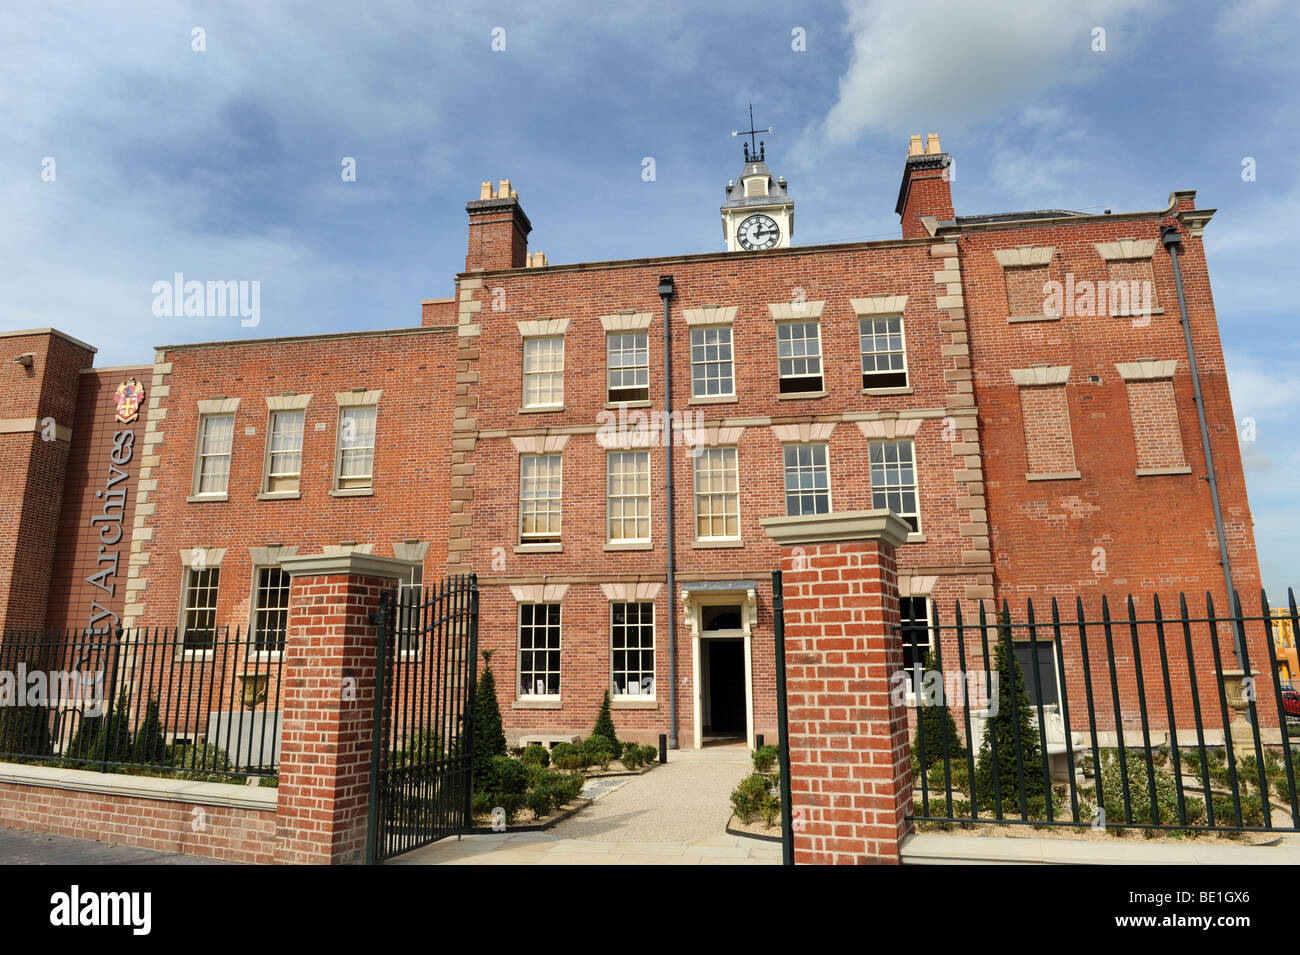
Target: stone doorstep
937 848
141 787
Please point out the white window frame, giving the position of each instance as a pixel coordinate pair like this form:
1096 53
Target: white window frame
610 540
812 446
531 694
887 488
808 357
929 636
555 493
648 696
698 494
640 344
255 610
409 588
339 449
201 454
269 475
875 353
551 375
183 628
707 363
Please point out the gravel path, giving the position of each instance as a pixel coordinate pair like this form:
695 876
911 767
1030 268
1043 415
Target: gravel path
685 800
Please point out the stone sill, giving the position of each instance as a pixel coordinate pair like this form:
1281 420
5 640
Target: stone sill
538 548
279 495
541 703
542 409
726 542
916 537
615 405
206 498
1153 472
352 492
801 395
1146 314
900 390
1061 476
632 703
714 400
940 848
141 787
1015 319
644 545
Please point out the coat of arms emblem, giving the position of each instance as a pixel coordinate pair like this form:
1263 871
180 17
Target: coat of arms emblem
130 395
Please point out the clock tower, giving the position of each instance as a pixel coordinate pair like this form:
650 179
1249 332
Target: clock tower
757 213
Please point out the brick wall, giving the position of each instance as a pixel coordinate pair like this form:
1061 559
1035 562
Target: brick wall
414 369
74 600
1049 445
1156 435
40 407
212 832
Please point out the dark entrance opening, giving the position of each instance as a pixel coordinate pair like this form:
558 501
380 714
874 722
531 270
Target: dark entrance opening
725 707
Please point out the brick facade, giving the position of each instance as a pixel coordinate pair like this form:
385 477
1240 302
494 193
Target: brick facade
1018 482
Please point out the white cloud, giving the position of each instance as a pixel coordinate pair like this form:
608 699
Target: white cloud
941 66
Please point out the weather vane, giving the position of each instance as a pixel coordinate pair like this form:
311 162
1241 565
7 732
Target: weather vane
761 149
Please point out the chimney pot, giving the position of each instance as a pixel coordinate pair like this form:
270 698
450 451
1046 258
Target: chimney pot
485 191
932 144
914 146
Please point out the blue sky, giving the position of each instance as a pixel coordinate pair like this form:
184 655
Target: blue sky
225 164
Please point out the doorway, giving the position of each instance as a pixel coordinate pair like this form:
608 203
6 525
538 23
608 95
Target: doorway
724 691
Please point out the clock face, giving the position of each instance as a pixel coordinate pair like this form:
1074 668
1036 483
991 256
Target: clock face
758 232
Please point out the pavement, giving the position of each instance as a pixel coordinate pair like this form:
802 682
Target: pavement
676 814
34 848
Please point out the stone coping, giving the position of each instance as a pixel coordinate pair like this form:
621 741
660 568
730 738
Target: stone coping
142 787
877 524
938 848
355 563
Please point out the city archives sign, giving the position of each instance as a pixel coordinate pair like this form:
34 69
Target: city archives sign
109 520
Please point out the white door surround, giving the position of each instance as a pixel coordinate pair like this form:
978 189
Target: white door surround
697 595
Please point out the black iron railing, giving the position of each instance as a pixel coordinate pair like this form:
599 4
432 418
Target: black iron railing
141 700
422 768
1146 720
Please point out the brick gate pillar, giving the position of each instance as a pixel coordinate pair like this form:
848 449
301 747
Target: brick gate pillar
850 764
327 701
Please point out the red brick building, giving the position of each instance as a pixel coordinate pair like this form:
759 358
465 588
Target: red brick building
1015 386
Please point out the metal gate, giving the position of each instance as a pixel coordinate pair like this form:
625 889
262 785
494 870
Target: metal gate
422 768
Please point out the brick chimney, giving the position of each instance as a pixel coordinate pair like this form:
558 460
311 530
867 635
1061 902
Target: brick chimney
926 190
498 229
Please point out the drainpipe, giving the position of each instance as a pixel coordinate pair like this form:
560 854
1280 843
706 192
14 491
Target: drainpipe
666 293
1173 241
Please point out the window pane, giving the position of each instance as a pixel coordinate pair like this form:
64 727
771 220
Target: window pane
539 498
543 371
539 649
807 479
711 362
627 504
217 433
200 611
632 648
893 479
717 498
271 610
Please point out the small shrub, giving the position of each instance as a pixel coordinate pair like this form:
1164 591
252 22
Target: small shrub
150 746
567 757
541 800
597 751
649 754
769 807
748 798
765 758
535 755
506 776
489 737
605 727
482 804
